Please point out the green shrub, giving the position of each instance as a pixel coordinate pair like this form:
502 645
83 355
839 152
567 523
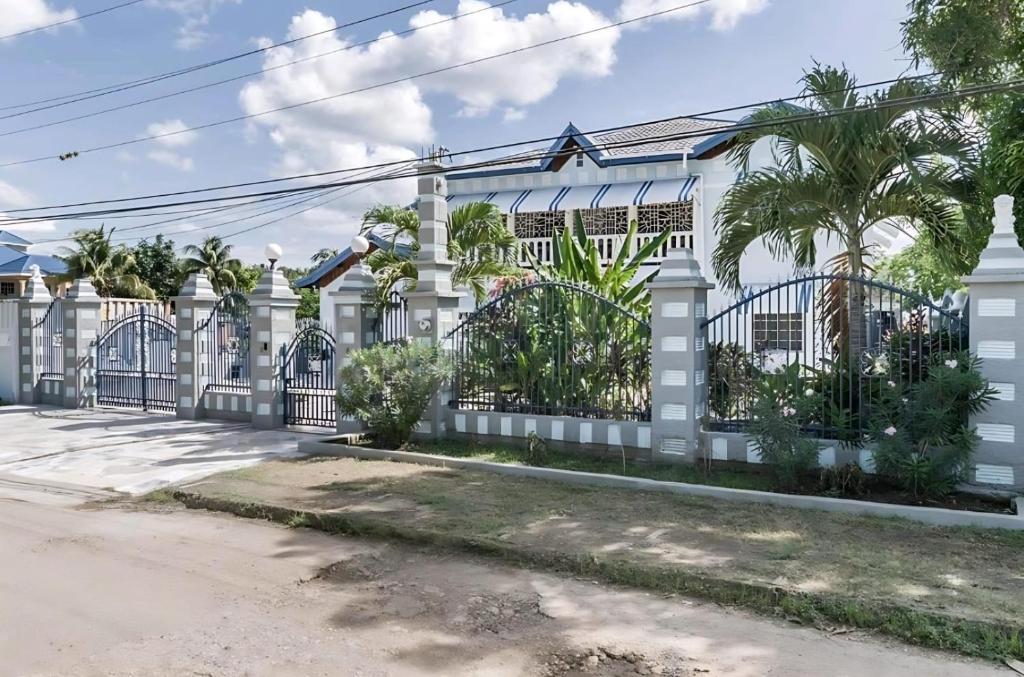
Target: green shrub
924 441
389 385
777 430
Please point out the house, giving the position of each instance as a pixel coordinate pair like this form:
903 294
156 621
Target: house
670 174
16 264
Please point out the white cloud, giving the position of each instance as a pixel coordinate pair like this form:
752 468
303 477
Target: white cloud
195 15
12 197
21 15
725 14
170 154
172 159
514 114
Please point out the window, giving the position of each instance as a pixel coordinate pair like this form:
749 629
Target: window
579 158
7 289
605 220
655 218
778 331
538 224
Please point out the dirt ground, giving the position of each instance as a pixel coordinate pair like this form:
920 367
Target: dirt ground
971 574
117 591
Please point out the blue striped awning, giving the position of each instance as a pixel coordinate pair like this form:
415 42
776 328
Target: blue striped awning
584 197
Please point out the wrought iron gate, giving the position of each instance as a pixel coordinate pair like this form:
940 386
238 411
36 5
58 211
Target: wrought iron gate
309 394
135 360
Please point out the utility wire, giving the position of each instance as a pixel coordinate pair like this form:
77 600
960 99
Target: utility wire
435 71
908 101
67 21
132 84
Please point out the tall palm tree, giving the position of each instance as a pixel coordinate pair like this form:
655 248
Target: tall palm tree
322 256
110 267
838 176
479 244
213 258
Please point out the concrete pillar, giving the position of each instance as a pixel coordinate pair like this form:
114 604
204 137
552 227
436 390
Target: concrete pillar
192 307
679 389
997 294
81 329
353 324
433 306
32 307
273 305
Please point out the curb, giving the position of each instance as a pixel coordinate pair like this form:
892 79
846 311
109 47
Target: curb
928 629
942 517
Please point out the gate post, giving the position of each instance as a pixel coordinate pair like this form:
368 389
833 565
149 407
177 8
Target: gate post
996 306
433 305
31 308
679 389
273 306
192 306
81 329
353 308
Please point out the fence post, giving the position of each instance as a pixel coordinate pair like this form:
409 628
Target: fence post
353 324
192 307
433 305
997 293
31 308
679 389
81 329
273 306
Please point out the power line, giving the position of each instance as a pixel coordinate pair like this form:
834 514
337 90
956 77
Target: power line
436 71
243 76
67 21
132 84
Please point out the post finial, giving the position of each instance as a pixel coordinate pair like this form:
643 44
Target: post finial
1003 219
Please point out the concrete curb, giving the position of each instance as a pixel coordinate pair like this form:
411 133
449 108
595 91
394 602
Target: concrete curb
933 516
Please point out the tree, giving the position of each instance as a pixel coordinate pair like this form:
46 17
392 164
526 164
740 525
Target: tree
111 268
322 256
479 244
247 276
158 266
837 177
213 259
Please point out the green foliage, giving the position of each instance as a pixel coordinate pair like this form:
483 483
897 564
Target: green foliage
918 269
733 373
213 259
536 450
835 178
111 268
309 304
389 386
158 266
777 429
322 256
246 277
924 442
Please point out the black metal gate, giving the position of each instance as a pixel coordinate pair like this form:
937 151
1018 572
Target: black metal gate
309 395
135 363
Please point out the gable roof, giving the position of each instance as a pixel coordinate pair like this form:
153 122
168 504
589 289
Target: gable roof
343 257
21 263
7 237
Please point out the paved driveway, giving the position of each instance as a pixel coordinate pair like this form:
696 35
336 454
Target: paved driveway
127 451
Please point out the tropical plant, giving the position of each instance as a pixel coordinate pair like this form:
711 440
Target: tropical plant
479 244
836 176
924 442
158 266
388 386
213 259
777 431
322 256
111 267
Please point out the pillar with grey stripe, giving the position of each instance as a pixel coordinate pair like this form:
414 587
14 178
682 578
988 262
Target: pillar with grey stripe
273 305
434 304
32 308
353 324
81 329
679 390
996 308
192 307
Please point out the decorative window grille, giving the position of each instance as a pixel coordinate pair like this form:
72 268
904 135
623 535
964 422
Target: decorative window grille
6 289
677 216
538 224
779 331
605 220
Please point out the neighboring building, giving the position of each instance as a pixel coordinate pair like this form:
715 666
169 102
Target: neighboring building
667 183
16 262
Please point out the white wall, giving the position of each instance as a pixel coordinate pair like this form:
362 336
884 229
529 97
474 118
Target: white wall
8 350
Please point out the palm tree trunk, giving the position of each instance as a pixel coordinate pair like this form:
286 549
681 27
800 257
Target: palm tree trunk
856 321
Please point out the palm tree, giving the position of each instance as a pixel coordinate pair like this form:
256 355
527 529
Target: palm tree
479 244
322 256
838 176
213 258
110 267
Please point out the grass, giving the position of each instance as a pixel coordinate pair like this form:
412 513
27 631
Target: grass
959 588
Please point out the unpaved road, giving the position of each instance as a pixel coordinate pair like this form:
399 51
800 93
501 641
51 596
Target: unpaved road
117 591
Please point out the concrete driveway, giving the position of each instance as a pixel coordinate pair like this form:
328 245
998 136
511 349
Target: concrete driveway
131 452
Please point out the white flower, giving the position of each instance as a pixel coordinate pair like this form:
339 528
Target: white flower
890 431
951 364
788 411
891 384
809 392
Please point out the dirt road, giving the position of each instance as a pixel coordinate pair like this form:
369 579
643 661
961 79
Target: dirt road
122 592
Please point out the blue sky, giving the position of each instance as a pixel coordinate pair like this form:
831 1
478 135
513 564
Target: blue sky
724 53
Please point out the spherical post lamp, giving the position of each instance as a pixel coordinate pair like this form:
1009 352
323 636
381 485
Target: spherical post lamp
273 253
360 245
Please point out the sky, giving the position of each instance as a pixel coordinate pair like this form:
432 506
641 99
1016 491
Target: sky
721 53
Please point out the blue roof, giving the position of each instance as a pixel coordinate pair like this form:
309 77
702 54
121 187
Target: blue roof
7 237
14 262
345 255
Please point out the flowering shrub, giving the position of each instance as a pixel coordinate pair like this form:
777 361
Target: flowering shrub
778 419
922 434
